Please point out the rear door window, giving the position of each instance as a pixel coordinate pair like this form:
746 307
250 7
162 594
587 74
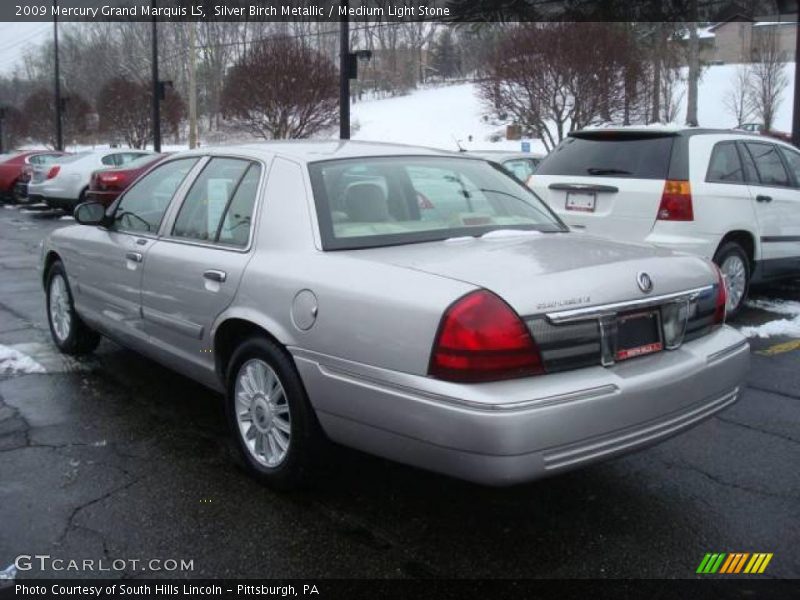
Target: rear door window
206 203
768 164
793 160
609 155
725 166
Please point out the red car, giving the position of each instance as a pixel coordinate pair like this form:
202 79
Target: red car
105 185
15 171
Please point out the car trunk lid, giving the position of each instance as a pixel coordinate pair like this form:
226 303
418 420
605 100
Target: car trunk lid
546 272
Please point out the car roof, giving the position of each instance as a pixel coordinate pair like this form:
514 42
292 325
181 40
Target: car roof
659 129
505 155
306 151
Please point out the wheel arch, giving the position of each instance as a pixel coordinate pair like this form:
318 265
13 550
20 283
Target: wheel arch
51 257
745 239
234 328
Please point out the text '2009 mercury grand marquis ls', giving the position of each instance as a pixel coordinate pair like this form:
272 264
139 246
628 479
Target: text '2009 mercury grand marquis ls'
418 305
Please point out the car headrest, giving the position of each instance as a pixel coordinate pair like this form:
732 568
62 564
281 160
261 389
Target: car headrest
365 202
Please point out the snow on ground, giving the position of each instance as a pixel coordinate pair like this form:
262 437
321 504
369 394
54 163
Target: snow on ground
785 327
14 362
435 117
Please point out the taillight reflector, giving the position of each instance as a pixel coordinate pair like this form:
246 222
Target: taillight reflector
54 170
676 202
720 307
481 338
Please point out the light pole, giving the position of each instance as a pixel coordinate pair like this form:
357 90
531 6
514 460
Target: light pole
59 105
2 118
344 75
157 88
348 69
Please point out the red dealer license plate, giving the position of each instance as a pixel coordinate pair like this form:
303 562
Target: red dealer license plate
638 334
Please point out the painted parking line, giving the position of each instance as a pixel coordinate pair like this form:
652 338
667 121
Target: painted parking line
781 348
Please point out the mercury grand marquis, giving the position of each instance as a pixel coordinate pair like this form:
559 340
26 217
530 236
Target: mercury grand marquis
415 304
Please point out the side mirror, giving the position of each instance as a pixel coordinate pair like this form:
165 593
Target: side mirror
90 213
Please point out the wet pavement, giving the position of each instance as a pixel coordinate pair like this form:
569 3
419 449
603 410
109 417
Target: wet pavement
114 457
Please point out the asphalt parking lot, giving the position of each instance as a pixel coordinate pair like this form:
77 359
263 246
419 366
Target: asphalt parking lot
115 457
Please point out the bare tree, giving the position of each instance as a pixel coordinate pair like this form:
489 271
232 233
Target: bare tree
549 80
124 110
40 108
769 79
266 94
694 70
738 99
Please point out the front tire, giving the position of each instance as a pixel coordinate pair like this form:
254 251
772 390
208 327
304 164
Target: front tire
273 425
732 260
69 332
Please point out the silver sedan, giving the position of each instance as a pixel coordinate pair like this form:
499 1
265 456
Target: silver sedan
422 306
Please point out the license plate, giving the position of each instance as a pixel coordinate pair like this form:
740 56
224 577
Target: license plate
638 334
581 201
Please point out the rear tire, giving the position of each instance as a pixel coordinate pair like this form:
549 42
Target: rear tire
732 260
273 424
69 332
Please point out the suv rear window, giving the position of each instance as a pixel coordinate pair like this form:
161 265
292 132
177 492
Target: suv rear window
636 157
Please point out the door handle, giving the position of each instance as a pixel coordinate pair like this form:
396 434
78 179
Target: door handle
134 256
215 275
761 198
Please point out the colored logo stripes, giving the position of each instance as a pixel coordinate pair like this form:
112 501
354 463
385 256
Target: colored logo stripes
734 562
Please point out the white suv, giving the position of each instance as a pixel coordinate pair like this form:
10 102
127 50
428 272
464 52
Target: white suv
729 196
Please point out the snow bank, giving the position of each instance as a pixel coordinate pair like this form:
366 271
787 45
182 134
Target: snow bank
14 362
785 327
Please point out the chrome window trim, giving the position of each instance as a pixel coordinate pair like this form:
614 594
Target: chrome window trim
606 310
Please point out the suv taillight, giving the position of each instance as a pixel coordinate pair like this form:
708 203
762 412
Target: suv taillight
481 338
722 299
676 202
53 171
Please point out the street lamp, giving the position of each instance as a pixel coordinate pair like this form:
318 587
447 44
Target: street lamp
2 118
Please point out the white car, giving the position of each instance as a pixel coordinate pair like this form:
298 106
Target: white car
729 196
63 184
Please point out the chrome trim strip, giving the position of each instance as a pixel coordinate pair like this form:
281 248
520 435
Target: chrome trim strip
391 387
720 354
604 310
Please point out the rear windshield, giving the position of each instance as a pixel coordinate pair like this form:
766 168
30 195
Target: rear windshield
368 202
634 157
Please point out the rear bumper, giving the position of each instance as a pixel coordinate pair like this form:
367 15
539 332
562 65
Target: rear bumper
515 431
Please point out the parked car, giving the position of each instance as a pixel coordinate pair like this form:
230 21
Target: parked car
64 183
729 196
15 168
759 128
106 184
521 164
488 343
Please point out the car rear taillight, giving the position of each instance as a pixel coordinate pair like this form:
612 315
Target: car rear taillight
676 202
53 171
109 177
722 299
481 338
